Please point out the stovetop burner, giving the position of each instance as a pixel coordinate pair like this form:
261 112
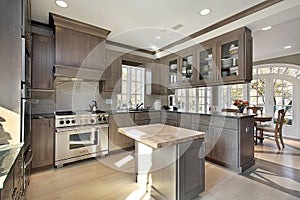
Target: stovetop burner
62 113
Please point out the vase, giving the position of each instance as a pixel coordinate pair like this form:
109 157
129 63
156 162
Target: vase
241 110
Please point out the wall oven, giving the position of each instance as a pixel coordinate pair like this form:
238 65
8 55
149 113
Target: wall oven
77 138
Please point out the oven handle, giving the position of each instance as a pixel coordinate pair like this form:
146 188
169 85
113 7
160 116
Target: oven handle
72 129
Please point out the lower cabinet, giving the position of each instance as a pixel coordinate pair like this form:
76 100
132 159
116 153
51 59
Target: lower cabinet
144 118
228 141
43 142
119 141
169 118
13 185
225 147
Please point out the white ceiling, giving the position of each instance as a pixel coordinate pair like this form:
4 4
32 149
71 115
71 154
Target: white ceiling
137 22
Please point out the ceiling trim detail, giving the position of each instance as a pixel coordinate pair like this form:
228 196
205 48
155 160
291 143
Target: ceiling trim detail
72 24
223 22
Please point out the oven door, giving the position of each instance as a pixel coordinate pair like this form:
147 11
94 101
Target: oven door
80 141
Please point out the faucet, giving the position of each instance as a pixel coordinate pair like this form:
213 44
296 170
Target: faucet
93 107
138 106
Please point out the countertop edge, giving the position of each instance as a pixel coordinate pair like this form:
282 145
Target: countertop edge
164 143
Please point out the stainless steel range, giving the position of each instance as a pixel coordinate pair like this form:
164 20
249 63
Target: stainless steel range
80 135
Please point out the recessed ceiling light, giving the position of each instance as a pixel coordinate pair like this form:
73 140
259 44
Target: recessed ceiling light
158 37
205 11
61 3
266 28
287 47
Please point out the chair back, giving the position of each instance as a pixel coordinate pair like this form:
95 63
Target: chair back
230 110
280 120
255 109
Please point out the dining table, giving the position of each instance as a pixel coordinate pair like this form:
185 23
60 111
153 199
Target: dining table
259 119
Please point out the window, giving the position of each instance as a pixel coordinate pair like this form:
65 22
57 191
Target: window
132 87
257 92
229 93
194 99
283 95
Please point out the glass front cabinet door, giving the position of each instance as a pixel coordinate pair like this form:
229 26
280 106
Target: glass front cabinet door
173 66
187 68
206 71
235 57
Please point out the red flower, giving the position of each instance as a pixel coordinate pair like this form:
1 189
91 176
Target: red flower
241 103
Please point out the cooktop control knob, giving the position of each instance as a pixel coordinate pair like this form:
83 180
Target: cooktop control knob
73 121
92 121
99 118
67 121
104 118
61 122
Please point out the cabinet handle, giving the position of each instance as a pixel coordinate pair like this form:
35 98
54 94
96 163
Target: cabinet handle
49 84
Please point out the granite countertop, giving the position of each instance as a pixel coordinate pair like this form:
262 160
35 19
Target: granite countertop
160 135
8 156
215 114
42 115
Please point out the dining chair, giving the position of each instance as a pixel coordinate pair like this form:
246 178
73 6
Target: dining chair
255 109
230 110
276 128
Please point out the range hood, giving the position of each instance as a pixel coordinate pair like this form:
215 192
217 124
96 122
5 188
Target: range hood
78 73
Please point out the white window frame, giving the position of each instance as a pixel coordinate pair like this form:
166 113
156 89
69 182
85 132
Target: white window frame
129 93
186 96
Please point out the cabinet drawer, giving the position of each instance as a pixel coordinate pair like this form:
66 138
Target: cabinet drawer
124 119
171 122
184 120
200 119
172 116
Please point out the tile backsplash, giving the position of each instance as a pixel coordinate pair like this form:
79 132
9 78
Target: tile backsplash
42 102
76 95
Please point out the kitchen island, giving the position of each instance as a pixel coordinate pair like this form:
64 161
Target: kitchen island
169 160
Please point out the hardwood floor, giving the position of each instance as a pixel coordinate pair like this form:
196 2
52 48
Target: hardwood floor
276 175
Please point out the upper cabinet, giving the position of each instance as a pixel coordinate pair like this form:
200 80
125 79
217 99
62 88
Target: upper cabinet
172 63
187 63
78 44
42 57
113 72
235 56
206 64
226 59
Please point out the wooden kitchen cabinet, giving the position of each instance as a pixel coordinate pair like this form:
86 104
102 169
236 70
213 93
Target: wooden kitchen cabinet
234 61
187 66
153 77
119 141
78 44
144 118
42 60
225 143
226 59
43 143
206 64
169 118
113 73
172 63
228 141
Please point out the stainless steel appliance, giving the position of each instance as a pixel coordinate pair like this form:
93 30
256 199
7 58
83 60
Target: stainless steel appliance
80 135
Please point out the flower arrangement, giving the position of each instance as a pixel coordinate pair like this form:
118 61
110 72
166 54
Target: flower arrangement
241 103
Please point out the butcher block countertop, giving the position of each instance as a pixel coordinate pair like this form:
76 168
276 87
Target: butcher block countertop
160 135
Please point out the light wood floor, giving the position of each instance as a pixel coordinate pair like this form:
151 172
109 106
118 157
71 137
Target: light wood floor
276 175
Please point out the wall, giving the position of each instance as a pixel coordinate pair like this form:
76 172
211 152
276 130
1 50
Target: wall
42 102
